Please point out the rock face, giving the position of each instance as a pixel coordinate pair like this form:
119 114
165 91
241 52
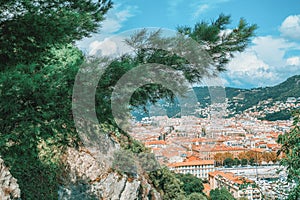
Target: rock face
91 179
9 188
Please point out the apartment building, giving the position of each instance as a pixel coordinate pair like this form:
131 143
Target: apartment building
193 165
238 186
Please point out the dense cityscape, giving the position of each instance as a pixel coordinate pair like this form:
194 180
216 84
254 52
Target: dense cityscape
239 153
149 100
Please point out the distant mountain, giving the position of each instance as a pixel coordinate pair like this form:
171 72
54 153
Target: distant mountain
251 97
239 99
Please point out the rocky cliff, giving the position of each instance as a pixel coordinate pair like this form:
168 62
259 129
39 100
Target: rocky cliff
89 174
9 188
90 179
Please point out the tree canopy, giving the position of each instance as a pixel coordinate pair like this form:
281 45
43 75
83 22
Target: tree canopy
218 40
37 71
221 194
39 62
190 183
291 148
29 28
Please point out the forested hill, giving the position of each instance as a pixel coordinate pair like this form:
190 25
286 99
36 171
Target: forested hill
247 98
288 88
238 99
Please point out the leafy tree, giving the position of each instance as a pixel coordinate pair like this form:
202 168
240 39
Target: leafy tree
228 162
228 155
251 161
242 155
190 184
28 29
38 68
196 196
254 156
219 158
219 43
244 162
145 46
212 36
220 194
291 147
167 183
236 162
37 71
269 156
31 140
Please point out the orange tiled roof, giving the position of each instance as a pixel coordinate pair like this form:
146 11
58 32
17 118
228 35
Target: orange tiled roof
206 189
259 150
191 163
226 148
230 176
273 145
191 158
198 140
156 142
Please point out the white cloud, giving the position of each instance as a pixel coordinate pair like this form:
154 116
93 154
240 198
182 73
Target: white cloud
110 46
225 32
293 61
115 18
107 47
290 27
272 50
293 65
103 42
201 6
264 63
200 10
213 81
247 69
247 61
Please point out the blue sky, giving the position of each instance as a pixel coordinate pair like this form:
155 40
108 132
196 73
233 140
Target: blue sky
272 56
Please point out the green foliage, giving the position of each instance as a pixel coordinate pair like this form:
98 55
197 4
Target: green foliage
190 184
124 161
291 148
38 68
244 162
219 47
229 162
196 196
236 162
252 161
281 115
42 24
36 121
166 182
220 194
251 97
288 88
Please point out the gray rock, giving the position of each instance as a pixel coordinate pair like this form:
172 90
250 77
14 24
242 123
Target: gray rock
93 179
9 188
